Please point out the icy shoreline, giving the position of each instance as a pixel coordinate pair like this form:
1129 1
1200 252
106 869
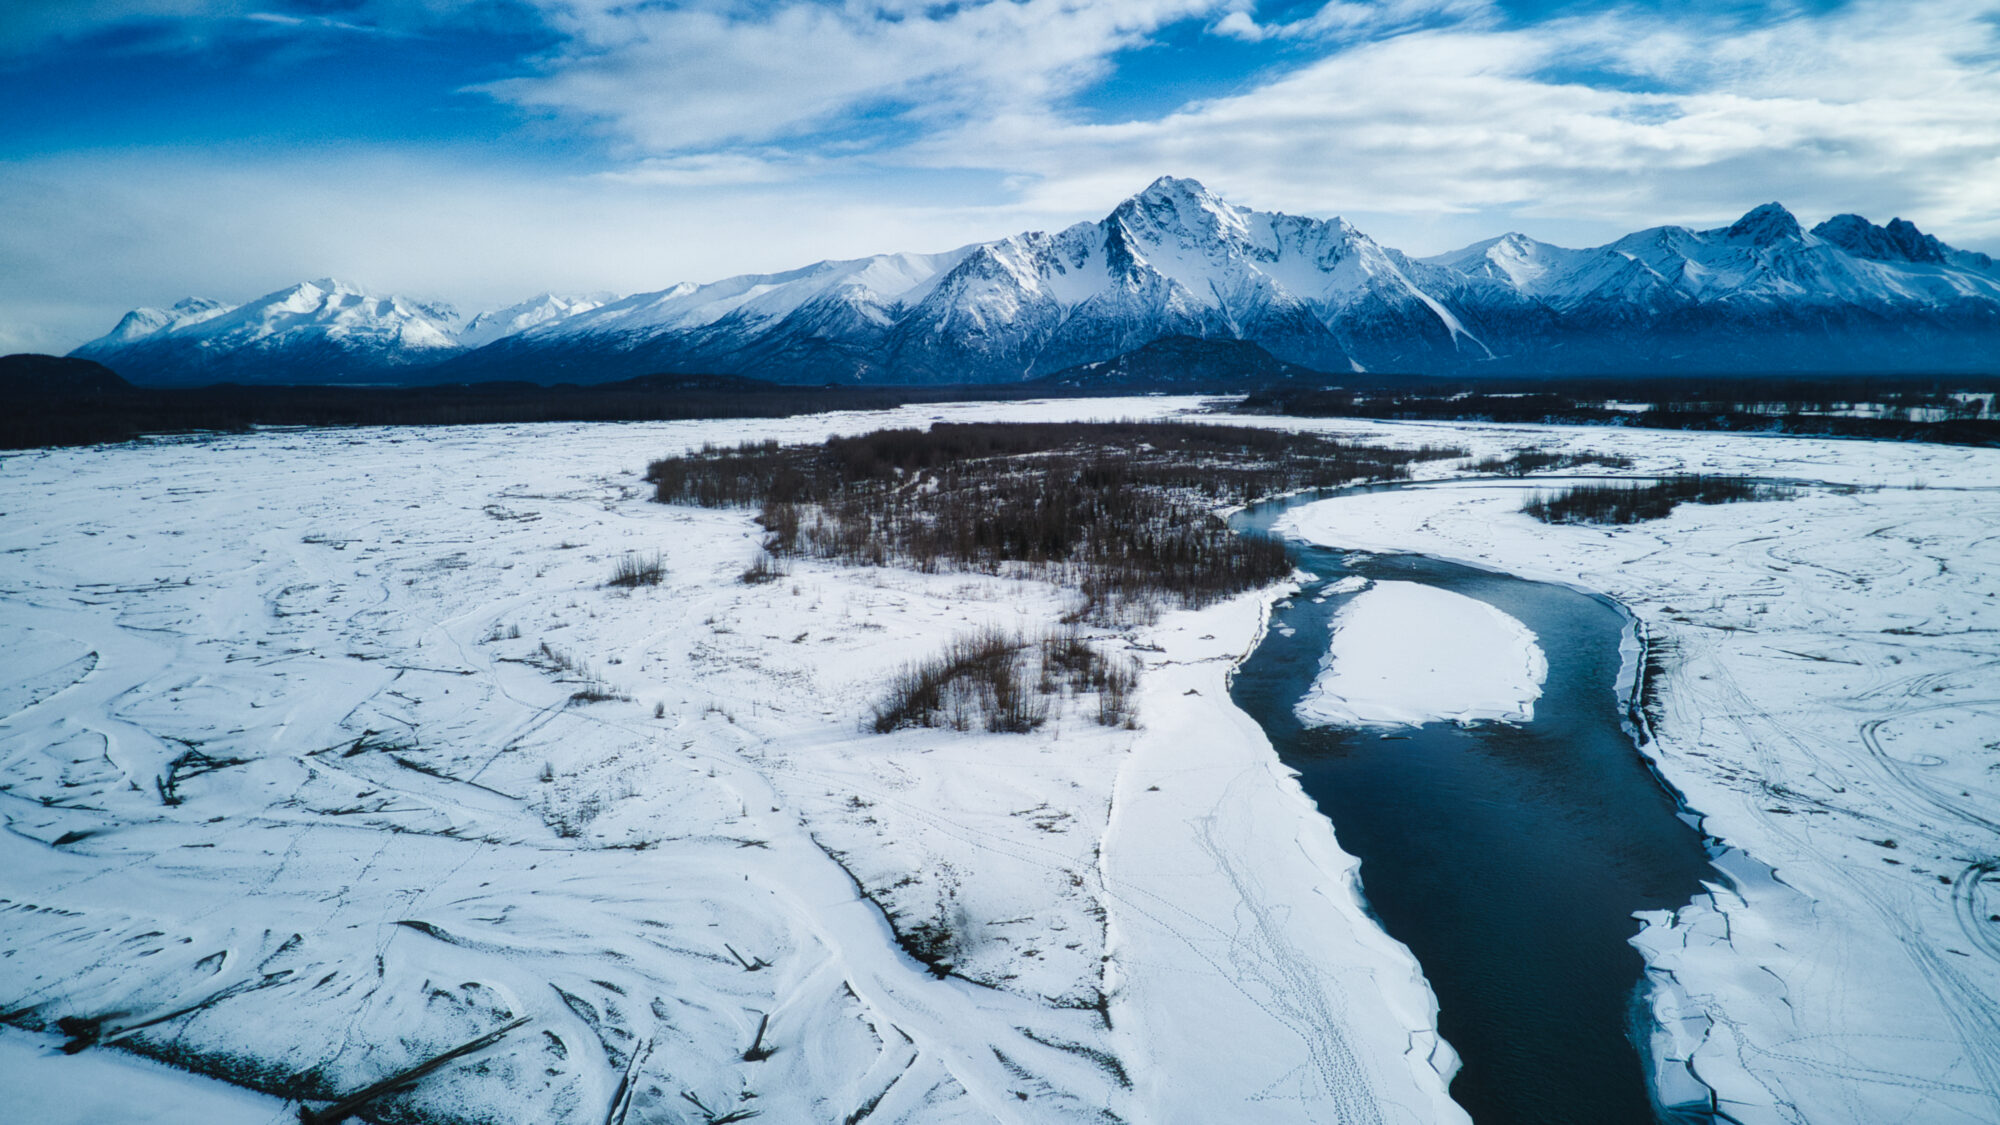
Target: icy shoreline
1210 825
1845 968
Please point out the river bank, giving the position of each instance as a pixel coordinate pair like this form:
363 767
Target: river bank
1824 671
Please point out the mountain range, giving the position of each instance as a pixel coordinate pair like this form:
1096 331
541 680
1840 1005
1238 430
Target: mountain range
1762 294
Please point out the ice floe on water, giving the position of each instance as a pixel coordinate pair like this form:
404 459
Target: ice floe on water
1406 654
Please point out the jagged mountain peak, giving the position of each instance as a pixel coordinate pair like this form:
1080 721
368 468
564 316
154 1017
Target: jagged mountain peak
322 287
1765 225
1179 210
1512 246
1899 241
1180 189
320 330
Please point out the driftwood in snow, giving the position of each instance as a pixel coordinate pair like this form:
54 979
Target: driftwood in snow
758 1052
89 1031
621 1098
401 1080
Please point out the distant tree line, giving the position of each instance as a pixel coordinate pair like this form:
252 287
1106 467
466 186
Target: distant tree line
1956 411
53 401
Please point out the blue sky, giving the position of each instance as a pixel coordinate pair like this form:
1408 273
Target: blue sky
480 152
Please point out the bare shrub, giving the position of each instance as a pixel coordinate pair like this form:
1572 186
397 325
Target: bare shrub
1114 698
765 569
1619 503
1073 665
976 681
556 661
1524 461
639 570
981 682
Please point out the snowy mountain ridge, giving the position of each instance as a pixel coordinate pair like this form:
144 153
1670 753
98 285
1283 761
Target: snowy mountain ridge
1763 293
316 331
541 309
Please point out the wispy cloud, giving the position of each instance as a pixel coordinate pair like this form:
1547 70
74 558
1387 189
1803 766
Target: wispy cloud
178 25
673 80
1347 18
1430 106
1618 116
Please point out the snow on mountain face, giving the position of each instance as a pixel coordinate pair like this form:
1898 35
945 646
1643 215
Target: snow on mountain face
315 331
533 312
1759 294
1177 260
1172 260
147 321
1900 241
1767 225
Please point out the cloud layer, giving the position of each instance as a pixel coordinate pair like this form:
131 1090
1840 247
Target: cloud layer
1411 105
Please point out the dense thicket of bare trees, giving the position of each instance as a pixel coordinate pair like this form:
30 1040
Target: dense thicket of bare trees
1122 511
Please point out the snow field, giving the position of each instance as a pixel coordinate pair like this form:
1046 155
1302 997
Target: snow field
323 752
392 826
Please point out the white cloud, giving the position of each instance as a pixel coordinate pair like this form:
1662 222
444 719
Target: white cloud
1424 107
671 80
1346 18
1868 109
721 169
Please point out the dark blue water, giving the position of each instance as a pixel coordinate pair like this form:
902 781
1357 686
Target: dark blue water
1508 858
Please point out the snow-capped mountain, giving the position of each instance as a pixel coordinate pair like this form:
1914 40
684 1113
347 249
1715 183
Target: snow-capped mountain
546 308
315 331
1762 294
1172 260
312 332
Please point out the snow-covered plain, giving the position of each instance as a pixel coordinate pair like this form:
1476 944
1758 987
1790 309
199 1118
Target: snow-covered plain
1406 654
1830 665
322 752
395 826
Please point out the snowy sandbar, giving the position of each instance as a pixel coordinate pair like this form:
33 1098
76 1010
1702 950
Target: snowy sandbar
1406 654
